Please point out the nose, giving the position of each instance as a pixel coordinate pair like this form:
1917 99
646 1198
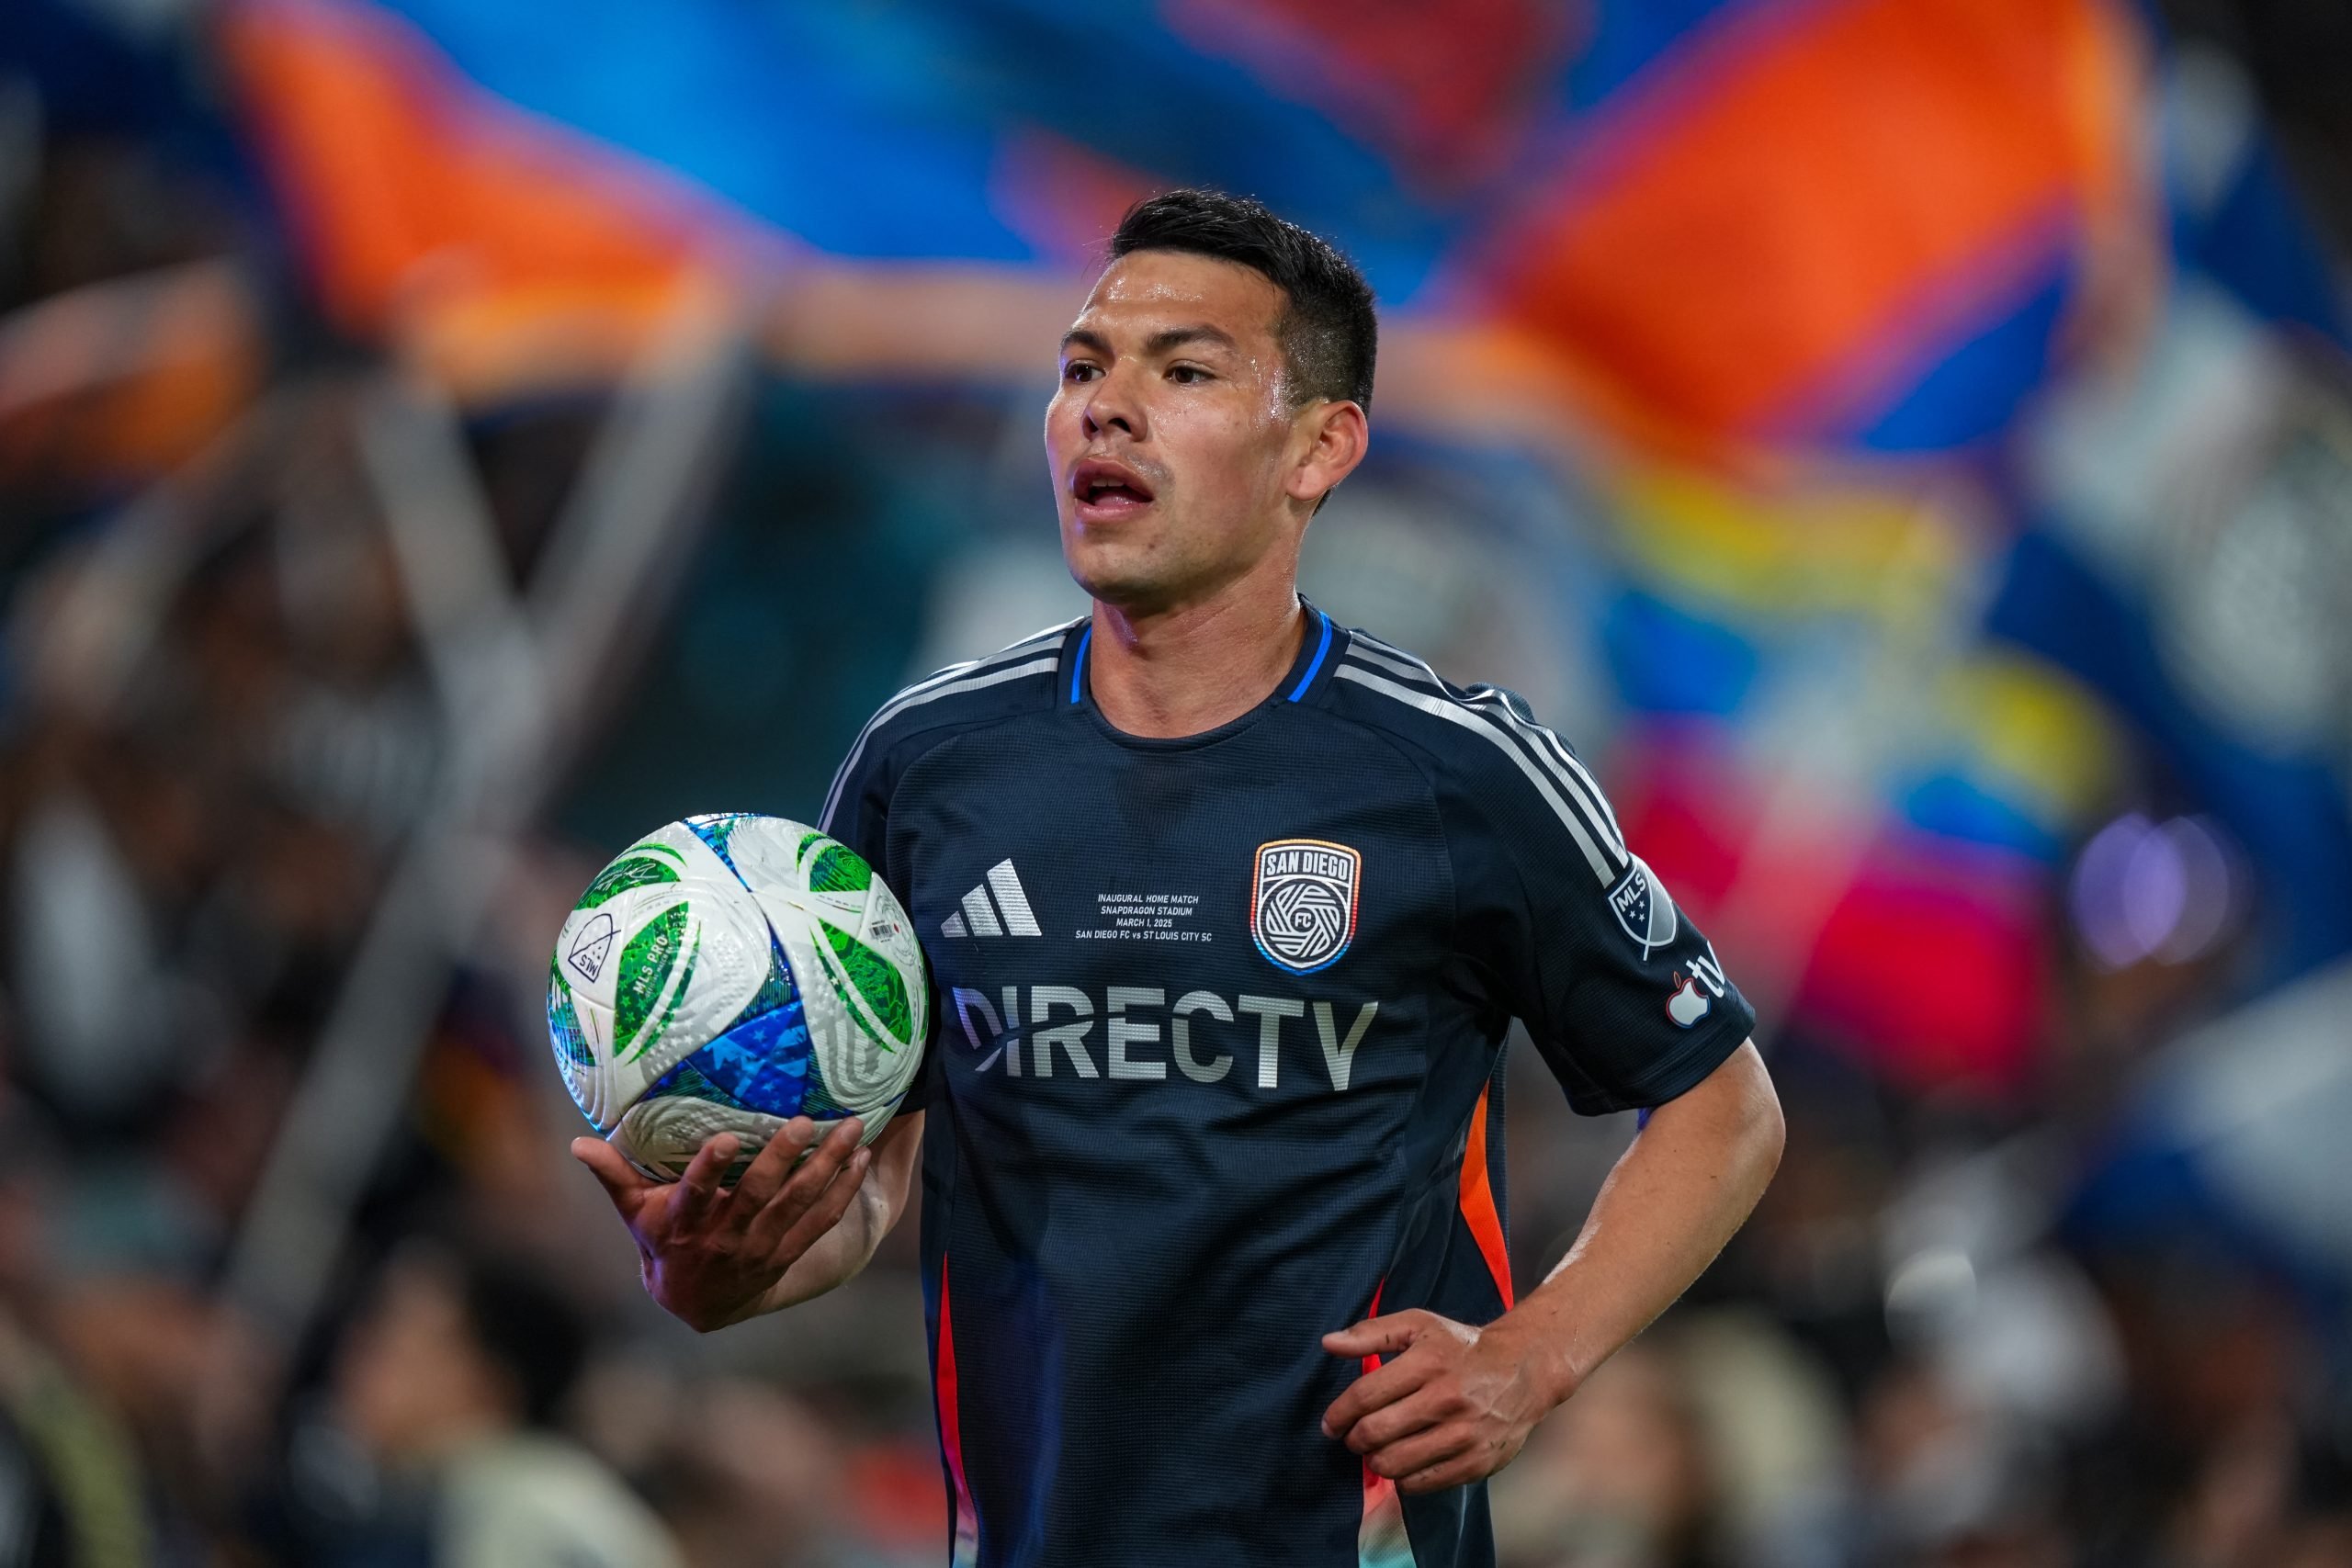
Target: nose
1111 404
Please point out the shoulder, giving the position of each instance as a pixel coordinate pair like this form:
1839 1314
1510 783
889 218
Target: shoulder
1471 730
1014 679
1483 746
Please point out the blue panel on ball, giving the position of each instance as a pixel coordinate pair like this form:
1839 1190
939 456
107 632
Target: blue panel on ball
760 1064
715 830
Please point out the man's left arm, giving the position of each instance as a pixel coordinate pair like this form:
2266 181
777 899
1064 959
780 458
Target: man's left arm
1452 1404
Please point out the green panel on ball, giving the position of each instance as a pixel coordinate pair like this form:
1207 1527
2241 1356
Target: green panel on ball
839 869
632 870
877 980
677 993
646 962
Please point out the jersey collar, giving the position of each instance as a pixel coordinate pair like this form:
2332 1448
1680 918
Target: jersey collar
1319 655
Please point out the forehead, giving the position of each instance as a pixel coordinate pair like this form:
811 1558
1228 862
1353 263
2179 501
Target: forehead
1147 289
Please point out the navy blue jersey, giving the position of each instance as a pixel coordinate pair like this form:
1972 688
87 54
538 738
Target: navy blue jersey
1216 1069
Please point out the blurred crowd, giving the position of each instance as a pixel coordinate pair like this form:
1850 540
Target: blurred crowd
282 1282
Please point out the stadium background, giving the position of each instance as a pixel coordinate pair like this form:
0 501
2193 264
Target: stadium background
1904 443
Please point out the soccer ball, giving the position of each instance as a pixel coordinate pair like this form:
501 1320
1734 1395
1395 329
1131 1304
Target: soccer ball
726 974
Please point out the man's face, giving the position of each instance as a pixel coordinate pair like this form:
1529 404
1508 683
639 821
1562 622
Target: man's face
411 1378
1171 433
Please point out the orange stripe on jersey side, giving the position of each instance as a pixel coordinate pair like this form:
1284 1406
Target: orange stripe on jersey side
1478 1203
966 1550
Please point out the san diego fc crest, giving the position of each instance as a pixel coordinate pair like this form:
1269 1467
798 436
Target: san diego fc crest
1303 902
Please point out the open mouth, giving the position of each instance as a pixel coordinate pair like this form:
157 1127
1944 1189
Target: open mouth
1107 489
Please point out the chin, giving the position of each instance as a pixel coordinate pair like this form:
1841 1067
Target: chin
1108 587
1123 588
1108 571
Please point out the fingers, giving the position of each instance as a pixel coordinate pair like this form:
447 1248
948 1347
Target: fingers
1378 1336
1423 1450
771 1167
800 1193
1449 1456
1371 1390
1425 1407
621 1181
699 1186
827 1212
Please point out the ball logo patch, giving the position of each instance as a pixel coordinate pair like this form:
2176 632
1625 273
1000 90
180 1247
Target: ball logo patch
590 947
1641 905
1303 902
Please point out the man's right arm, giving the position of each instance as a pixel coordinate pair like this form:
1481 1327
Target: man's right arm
792 1228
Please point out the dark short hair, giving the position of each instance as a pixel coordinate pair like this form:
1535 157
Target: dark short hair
1329 332
526 1327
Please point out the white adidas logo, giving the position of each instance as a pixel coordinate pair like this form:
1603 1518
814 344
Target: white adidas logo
981 917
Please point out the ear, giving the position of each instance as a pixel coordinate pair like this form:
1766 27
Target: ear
1335 438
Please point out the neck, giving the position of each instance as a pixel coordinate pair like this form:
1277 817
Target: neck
1166 673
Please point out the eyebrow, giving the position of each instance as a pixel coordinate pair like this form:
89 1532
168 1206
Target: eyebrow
1156 344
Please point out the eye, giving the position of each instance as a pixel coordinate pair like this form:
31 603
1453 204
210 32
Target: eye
1188 375
1080 370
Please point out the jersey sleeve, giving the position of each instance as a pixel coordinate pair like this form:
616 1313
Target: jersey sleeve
1573 933
857 812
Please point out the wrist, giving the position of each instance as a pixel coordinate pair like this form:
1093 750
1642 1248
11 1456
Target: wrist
1546 1362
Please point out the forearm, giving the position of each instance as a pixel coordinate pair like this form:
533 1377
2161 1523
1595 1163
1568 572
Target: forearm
1675 1197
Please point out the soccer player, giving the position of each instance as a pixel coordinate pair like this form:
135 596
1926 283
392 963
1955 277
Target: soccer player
1229 909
